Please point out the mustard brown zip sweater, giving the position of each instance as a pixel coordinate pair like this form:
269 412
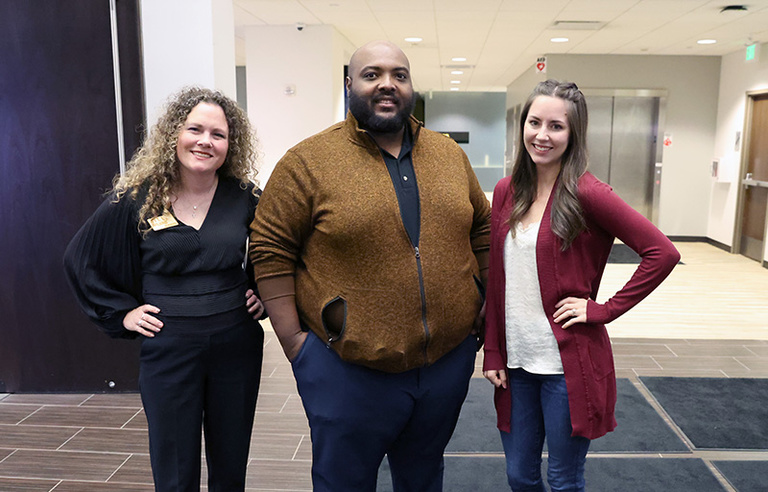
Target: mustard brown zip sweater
329 217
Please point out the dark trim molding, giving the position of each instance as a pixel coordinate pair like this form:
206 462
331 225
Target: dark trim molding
688 239
700 239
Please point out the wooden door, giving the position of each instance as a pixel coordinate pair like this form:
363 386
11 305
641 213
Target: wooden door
752 218
58 154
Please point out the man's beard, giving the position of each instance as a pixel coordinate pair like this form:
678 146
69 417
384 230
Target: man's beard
367 119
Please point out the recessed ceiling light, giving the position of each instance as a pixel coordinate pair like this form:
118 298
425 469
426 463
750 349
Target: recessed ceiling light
559 40
707 41
457 72
414 40
454 88
458 59
455 81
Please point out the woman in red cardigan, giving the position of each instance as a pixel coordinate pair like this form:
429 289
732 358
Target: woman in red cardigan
547 350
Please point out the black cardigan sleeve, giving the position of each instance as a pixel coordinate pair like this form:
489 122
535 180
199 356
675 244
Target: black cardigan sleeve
103 265
248 266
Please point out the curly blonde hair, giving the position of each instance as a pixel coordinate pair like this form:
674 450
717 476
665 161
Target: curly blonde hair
154 168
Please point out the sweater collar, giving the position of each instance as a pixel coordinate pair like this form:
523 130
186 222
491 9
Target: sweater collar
361 137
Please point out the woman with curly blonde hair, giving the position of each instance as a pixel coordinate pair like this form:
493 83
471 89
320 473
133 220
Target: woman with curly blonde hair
164 259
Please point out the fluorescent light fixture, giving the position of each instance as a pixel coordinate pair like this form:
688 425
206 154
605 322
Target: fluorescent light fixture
706 41
459 59
455 81
414 39
454 88
457 72
559 40
569 25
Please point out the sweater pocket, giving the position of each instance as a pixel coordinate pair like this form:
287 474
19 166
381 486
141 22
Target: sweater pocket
600 356
334 316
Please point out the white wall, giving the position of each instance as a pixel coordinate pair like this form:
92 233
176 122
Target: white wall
737 77
186 42
311 63
692 87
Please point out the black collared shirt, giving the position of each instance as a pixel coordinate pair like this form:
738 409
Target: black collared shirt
404 179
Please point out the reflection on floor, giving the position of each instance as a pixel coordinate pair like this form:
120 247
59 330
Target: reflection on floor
707 320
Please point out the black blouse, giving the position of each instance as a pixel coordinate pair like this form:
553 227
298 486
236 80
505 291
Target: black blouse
188 273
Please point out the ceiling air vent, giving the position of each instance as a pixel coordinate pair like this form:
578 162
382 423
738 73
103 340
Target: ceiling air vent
733 8
578 25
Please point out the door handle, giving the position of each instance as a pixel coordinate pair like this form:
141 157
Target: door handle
747 182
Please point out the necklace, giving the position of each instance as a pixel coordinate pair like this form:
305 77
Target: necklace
203 199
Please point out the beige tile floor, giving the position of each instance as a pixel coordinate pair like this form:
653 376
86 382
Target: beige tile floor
708 319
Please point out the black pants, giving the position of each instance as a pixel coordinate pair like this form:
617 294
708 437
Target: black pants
193 381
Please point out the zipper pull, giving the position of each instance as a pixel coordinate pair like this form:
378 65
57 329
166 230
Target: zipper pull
417 251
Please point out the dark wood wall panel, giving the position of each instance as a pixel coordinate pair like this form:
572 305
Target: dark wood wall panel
58 154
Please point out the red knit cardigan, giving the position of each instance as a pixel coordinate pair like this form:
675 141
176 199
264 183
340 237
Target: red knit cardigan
585 348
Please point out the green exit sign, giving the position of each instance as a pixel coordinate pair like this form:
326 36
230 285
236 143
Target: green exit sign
751 52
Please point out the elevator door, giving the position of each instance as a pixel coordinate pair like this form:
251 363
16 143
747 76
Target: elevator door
622 141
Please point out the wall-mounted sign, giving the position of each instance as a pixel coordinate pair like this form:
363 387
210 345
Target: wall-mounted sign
751 52
541 64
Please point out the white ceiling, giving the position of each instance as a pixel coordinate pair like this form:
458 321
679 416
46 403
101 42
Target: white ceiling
502 38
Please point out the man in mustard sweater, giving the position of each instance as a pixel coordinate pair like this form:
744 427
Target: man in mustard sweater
370 247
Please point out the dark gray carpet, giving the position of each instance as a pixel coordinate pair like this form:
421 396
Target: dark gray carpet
649 475
621 253
640 428
745 476
724 413
487 474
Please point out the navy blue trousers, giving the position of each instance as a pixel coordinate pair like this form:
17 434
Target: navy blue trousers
190 381
358 415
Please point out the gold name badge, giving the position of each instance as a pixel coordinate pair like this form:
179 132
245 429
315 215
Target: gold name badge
163 222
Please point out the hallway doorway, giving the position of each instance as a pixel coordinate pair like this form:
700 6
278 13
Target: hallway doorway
751 223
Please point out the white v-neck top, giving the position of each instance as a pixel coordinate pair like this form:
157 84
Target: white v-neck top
531 345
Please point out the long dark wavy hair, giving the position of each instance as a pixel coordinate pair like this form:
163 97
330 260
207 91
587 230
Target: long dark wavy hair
155 165
567 221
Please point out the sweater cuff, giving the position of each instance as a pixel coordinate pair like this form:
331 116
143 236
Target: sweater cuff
113 326
597 313
272 288
493 361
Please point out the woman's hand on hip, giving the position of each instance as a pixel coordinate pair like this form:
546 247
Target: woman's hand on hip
498 378
142 322
571 310
253 303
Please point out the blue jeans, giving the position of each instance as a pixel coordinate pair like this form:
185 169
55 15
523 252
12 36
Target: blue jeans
539 411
